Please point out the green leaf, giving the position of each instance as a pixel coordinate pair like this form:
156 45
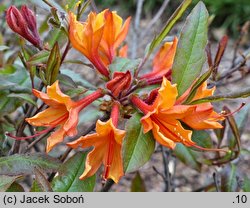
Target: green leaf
190 53
75 91
246 184
39 58
202 138
197 84
69 173
24 164
137 147
55 35
187 156
124 64
15 187
78 79
6 181
234 130
170 23
23 96
229 179
8 105
243 94
137 184
36 187
15 81
53 64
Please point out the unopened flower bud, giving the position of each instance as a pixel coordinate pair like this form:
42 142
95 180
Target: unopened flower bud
23 22
120 83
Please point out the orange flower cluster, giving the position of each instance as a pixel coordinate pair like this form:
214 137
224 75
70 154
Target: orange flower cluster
62 113
163 116
100 39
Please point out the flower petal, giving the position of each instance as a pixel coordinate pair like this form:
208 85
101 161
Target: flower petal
116 168
70 125
55 93
164 59
147 123
55 138
167 95
173 130
162 139
206 119
93 161
177 112
122 33
47 117
45 98
87 141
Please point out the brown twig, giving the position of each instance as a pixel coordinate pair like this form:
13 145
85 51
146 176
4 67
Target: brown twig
155 19
216 182
66 50
165 157
244 30
136 28
32 144
16 145
93 5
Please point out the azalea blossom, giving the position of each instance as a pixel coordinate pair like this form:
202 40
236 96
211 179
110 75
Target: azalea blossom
204 117
99 37
163 117
163 61
106 143
62 113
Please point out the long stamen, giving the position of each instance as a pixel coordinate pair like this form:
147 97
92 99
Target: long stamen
210 149
32 136
225 114
53 124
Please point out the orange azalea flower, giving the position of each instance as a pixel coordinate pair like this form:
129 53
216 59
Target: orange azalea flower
162 117
107 143
62 112
163 60
99 37
204 117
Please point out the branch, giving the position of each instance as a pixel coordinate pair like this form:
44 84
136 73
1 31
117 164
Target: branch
136 28
155 18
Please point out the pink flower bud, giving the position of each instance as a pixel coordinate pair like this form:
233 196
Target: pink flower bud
23 22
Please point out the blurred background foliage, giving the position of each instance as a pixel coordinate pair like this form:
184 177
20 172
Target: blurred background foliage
228 14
